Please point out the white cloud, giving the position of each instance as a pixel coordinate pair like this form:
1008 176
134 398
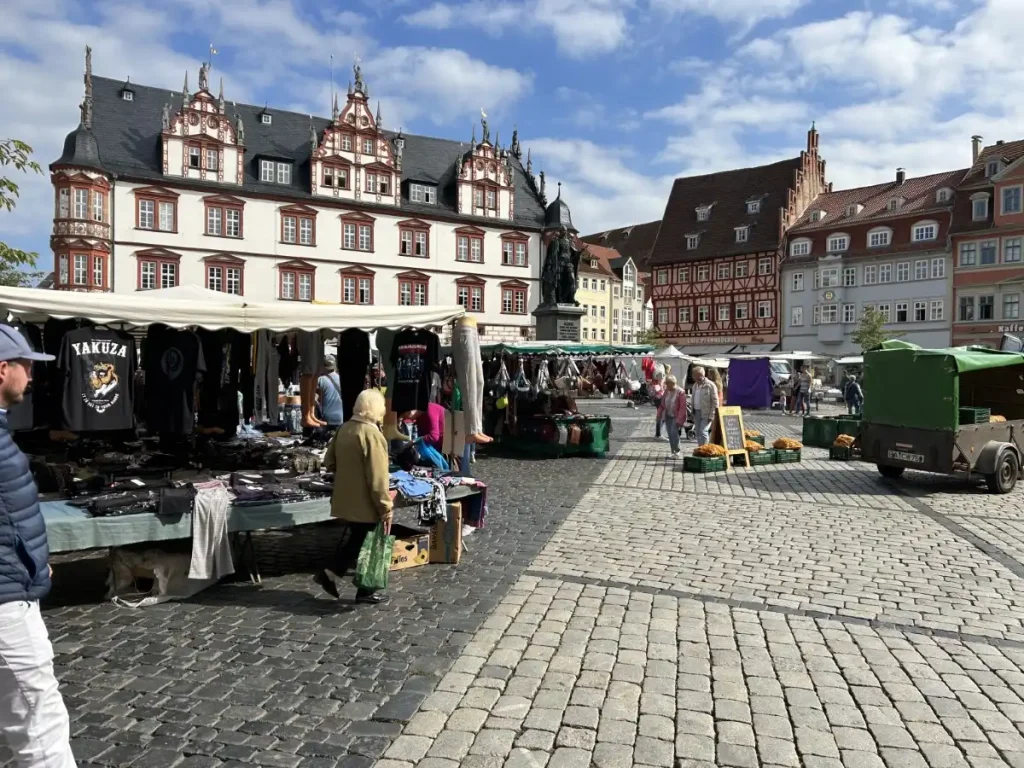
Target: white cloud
742 15
582 28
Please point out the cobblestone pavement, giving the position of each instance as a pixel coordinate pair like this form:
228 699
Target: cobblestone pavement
804 615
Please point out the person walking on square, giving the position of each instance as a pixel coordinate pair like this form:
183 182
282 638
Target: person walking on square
672 411
33 717
358 456
657 393
853 395
705 404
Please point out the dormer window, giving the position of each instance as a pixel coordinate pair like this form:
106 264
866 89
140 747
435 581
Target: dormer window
692 241
703 214
128 95
993 167
943 195
423 193
979 206
853 209
266 118
742 234
593 263
275 172
895 204
817 216
753 206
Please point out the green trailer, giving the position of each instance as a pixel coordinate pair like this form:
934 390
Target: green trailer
927 409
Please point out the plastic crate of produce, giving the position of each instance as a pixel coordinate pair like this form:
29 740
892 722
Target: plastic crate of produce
975 415
840 453
759 439
704 463
757 458
812 430
783 456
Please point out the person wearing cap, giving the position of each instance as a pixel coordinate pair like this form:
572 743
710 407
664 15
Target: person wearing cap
32 713
328 389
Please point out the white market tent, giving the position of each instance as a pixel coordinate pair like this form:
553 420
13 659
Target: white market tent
851 360
671 353
189 305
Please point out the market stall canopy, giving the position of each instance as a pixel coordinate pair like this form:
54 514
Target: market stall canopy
566 348
193 306
851 360
670 353
754 349
697 350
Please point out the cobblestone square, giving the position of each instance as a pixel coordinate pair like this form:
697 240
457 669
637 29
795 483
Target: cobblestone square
612 613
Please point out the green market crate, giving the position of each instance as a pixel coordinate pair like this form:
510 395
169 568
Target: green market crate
840 453
975 415
759 439
757 458
811 431
704 463
848 425
784 456
828 432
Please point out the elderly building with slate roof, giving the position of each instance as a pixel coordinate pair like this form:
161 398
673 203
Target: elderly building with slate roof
987 233
884 246
718 253
156 189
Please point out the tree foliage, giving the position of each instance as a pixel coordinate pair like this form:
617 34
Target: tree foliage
871 331
652 336
18 155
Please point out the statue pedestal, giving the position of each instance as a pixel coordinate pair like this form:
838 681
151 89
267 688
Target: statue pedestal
558 322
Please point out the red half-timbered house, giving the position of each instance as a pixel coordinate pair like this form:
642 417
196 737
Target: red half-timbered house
715 263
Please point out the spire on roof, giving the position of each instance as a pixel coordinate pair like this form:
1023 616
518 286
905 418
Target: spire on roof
529 161
184 92
334 108
220 99
472 142
350 91
87 99
379 121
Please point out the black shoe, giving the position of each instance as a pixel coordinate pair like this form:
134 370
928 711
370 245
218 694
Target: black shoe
326 583
372 598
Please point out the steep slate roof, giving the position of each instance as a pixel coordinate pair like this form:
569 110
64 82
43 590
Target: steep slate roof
918 197
975 180
128 134
727 192
635 241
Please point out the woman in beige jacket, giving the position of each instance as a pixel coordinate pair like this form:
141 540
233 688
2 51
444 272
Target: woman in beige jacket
358 455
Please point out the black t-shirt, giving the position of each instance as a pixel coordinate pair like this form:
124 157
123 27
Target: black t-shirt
31 411
173 360
98 366
414 355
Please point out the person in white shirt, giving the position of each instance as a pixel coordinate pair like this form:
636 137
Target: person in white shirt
705 404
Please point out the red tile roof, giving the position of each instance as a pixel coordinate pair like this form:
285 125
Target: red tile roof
976 181
604 257
635 241
918 195
727 193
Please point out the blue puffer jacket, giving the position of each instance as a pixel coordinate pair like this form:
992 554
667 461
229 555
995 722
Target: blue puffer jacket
24 554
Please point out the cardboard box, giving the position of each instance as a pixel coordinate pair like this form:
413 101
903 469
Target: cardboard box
412 547
446 537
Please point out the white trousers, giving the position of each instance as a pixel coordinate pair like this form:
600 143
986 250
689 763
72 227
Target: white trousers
33 717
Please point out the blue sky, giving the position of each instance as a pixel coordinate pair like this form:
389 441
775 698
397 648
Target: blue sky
615 97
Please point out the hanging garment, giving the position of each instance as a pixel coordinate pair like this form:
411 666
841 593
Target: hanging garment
173 360
469 370
228 371
415 356
265 365
311 352
353 365
211 550
98 367
435 508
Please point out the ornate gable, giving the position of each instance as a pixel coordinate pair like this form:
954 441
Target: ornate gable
485 179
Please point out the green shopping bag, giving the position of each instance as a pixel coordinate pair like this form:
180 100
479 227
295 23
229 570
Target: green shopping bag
374 563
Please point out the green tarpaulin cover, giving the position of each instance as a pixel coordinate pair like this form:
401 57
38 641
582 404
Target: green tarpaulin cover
908 386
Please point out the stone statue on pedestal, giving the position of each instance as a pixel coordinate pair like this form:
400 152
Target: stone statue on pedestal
560 274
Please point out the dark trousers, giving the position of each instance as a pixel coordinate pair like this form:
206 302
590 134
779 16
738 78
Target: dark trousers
351 542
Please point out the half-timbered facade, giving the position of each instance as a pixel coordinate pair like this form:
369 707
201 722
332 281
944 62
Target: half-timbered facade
155 190
885 246
716 261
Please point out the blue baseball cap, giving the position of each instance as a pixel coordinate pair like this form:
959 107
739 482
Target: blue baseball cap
14 346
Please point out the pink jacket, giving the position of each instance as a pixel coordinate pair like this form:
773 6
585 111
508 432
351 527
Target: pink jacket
679 413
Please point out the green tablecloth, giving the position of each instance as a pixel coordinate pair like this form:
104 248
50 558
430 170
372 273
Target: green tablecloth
539 437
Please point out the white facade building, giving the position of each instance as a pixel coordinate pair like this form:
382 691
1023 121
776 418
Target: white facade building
279 206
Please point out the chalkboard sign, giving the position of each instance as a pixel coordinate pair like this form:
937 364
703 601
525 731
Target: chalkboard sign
731 432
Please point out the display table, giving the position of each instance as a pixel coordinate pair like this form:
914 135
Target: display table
543 436
70 529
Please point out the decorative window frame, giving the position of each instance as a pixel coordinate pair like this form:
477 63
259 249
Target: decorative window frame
980 197
879 230
515 238
298 212
225 203
159 257
204 143
414 227
413 278
358 220
836 236
471 234
296 267
156 195
742 234
796 246
378 170
1002 199
224 262
64 263
469 282
336 164
357 273
516 287
921 224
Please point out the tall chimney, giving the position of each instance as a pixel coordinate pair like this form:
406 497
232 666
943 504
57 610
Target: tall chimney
975 148
901 175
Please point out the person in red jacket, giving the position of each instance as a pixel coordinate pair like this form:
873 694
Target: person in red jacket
673 411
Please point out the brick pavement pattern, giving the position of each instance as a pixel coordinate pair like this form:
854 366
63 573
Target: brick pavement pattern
809 616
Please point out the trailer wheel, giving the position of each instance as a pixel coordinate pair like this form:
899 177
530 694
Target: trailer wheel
1005 477
890 472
